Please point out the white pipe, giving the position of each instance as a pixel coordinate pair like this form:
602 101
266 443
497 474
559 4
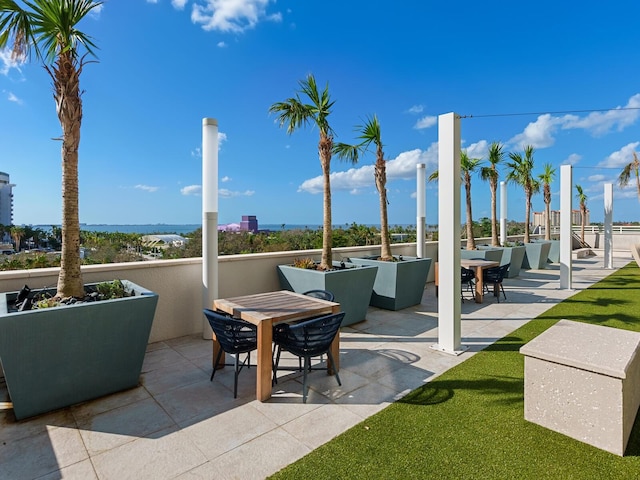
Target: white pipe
608 225
503 213
421 208
209 217
566 233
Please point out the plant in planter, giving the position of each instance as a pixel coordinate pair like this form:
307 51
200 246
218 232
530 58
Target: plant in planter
294 113
54 357
400 281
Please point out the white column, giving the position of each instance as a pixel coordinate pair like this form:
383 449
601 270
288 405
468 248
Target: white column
209 217
449 329
503 213
608 225
566 237
421 208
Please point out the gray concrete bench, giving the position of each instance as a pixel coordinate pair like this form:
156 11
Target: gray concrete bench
583 381
582 252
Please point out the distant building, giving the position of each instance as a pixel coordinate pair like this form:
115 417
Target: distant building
6 199
576 218
249 223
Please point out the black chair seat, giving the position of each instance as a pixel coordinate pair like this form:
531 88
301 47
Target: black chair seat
494 276
467 279
235 337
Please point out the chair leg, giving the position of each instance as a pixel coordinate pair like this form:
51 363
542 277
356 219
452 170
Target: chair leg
215 365
502 288
276 362
235 377
304 380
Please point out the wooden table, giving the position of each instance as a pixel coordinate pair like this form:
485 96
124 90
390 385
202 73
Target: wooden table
477 266
266 309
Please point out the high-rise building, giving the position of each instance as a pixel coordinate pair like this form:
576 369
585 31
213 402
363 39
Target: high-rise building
6 199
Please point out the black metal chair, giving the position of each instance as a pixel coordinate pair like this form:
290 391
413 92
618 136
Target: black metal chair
307 339
467 279
494 276
235 337
321 294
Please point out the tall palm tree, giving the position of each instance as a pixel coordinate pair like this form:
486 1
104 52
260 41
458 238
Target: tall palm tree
521 173
491 175
370 134
295 114
48 30
467 167
17 233
546 177
582 199
625 175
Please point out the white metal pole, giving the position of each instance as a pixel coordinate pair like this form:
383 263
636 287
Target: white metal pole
421 208
209 217
503 213
449 327
608 225
566 233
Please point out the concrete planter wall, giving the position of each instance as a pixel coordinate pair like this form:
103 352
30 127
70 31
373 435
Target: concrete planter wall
514 256
490 253
56 357
398 284
536 255
554 249
351 286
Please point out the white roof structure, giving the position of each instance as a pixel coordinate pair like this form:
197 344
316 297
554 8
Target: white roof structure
164 239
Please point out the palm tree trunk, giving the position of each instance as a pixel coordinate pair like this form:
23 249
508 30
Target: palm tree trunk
324 147
583 215
69 107
381 182
528 215
494 223
471 241
547 221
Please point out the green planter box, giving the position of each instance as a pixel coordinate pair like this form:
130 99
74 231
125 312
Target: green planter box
536 256
489 253
554 249
57 357
351 286
398 284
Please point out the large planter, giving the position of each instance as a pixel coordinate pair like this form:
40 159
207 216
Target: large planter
351 286
488 253
399 284
554 249
56 357
536 255
515 257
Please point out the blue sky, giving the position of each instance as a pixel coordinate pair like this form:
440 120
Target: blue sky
165 64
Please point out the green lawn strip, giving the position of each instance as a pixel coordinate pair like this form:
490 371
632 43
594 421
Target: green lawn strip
469 421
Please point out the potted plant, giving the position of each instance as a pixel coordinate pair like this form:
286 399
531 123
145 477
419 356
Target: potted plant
47 29
400 280
351 287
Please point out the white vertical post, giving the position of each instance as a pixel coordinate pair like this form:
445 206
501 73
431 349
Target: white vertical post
209 217
503 213
566 236
421 208
449 328
608 225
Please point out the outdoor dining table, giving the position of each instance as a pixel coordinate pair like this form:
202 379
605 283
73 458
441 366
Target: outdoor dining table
477 266
266 309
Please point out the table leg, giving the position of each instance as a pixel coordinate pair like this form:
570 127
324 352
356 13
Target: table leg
265 357
479 286
335 352
216 349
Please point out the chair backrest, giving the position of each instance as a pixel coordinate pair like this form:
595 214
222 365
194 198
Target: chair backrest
467 274
322 294
234 335
308 338
496 274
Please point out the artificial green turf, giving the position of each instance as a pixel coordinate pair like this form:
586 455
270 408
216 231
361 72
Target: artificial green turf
469 423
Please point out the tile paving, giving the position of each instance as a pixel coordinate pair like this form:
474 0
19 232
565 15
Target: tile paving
178 424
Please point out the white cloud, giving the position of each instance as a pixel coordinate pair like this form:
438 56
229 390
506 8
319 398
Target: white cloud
96 11
197 152
620 158
402 167
596 178
478 150
191 190
146 188
541 133
572 159
7 62
221 45
225 179
224 193
425 122
152 1
12 98
178 4
416 109
233 16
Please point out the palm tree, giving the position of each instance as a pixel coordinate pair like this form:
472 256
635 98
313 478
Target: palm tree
521 172
295 114
490 174
467 167
370 134
582 199
17 233
625 175
47 28
546 177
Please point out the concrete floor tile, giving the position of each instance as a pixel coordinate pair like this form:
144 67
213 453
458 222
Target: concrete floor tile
84 411
78 471
200 399
177 375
